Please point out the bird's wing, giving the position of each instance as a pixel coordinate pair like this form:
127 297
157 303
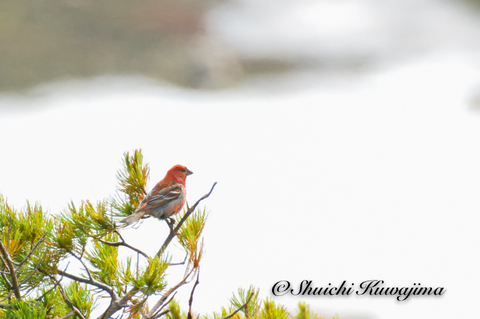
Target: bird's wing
161 197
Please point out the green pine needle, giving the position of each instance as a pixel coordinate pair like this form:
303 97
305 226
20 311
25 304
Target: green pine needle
132 182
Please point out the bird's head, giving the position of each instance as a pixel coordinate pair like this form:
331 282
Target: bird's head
179 173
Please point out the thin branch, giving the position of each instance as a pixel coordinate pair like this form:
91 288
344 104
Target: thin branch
151 314
67 301
68 315
13 275
243 306
7 282
190 301
41 240
123 301
75 310
119 235
84 266
7 296
92 282
117 304
37 266
3 261
181 263
162 313
138 263
158 312
48 291
123 243
5 305
173 231
9 229
3 275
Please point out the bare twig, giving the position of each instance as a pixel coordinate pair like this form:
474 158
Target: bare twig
173 231
190 301
243 306
13 274
84 266
181 263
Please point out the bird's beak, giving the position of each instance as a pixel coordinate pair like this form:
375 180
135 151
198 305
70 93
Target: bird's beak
189 172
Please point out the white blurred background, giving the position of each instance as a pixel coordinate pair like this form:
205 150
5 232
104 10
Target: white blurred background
344 137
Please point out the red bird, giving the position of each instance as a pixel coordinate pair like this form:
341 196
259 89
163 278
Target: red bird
165 199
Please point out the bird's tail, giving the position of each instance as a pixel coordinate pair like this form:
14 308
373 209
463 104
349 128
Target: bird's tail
132 219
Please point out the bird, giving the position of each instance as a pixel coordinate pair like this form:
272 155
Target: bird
166 199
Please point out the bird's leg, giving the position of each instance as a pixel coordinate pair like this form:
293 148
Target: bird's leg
171 223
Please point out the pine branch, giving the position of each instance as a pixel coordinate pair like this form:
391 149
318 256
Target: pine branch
132 181
13 274
89 281
173 231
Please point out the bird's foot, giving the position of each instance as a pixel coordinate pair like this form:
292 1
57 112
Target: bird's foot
171 222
